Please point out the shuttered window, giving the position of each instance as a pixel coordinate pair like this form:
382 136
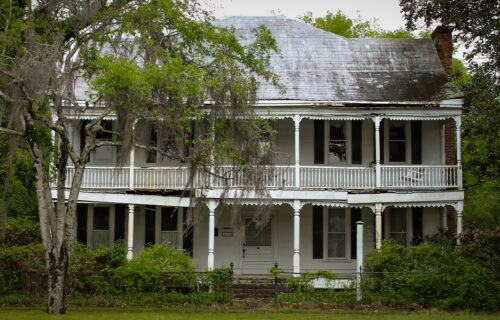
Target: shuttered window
355 217
317 232
416 142
356 146
319 141
81 223
119 222
150 214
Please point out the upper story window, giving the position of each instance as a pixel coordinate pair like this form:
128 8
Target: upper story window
397 141
104 154
337 143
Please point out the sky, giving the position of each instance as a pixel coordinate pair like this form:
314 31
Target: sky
387 12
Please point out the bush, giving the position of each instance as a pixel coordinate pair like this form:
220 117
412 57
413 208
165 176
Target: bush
21 231
19 267
430 274
157 269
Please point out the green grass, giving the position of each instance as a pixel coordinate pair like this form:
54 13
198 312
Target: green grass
234 314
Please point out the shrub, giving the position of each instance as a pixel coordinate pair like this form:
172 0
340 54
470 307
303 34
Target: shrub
21 231
157 269
430 274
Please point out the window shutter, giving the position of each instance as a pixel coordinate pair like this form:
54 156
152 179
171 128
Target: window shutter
119 222
149 239
187 234
317 232
81 223
417 225
356 136
355 217
319 141
416 142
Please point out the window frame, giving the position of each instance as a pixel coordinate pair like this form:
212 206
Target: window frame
387 142
347 234
409 225
348 142
111 149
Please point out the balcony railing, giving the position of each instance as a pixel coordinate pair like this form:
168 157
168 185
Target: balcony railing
277 177
419 176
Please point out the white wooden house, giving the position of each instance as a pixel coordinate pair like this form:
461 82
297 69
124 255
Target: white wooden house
363 134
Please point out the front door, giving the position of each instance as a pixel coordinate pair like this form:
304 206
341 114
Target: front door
258 255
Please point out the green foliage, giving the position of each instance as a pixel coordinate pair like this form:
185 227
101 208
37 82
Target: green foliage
20 232
18 266
342 25
157 269
433 275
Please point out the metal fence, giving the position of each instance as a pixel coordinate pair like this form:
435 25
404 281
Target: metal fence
215 286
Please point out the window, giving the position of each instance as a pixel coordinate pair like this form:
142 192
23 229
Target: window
397 225
337 144
397 141
168 227
336 233
104 154
100 232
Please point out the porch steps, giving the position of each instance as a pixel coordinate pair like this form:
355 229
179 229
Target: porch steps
253 291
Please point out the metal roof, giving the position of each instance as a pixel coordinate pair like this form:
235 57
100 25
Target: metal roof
318 65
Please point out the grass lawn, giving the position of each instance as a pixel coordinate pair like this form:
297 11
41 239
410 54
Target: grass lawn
208 314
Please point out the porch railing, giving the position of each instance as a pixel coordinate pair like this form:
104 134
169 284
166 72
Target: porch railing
311 177
337 177
419 176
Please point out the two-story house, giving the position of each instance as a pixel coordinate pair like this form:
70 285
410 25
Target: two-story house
368 129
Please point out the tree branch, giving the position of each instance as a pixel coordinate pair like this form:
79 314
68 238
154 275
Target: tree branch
12 132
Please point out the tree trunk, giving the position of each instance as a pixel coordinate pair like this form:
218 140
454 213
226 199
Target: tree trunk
57 269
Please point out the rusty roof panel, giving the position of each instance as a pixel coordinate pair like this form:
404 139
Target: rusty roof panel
319 65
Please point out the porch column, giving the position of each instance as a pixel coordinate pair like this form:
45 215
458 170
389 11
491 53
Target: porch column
296 120
131 171
378 176
378 226
460 209
296 238
130 234
458 126
211 228
132 161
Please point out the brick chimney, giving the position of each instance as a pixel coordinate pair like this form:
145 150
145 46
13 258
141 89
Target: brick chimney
441 36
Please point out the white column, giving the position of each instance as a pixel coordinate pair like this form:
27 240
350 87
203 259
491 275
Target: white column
296 237
131 169
458 126
460 209
211 159
359 259
444 219
296 120
130 234
376 121
378 225
211 228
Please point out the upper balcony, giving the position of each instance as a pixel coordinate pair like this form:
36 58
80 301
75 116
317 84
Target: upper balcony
313 154
278 177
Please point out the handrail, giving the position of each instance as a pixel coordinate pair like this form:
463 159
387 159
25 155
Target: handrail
280 176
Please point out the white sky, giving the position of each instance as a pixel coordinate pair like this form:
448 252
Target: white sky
386 11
